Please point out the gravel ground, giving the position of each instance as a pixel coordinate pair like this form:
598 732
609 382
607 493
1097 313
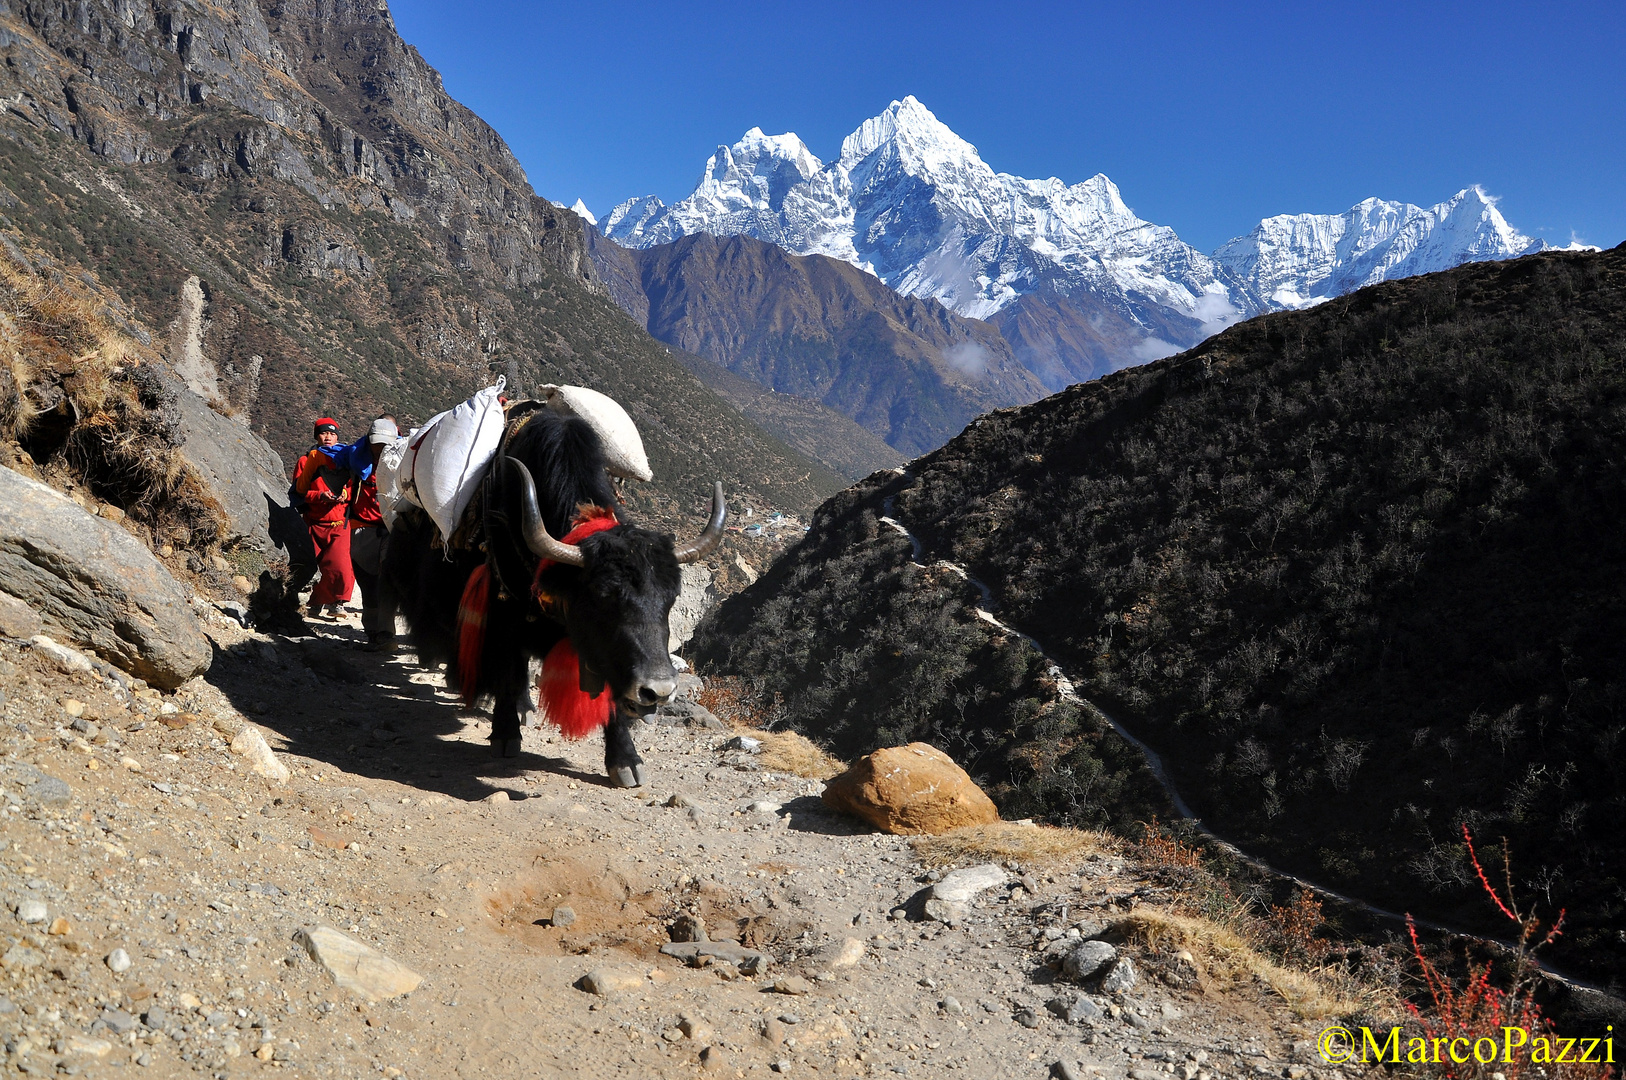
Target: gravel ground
154 887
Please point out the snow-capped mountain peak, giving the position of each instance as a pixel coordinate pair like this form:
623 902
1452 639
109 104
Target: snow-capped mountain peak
911 127
913 203
579 208
1296 260
756 147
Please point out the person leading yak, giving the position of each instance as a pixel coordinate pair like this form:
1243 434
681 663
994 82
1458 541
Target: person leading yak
366 524
323 484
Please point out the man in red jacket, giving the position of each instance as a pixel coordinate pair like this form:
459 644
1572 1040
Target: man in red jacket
325 487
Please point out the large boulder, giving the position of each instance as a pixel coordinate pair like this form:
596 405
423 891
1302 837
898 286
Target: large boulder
910 789
696 597
240 470
93 584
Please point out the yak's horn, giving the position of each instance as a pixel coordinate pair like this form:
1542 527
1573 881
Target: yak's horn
712 535
537 537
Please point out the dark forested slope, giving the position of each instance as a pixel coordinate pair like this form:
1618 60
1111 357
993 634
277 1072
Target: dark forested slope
1356 572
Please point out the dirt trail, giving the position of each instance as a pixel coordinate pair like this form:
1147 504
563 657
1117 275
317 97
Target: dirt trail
398 829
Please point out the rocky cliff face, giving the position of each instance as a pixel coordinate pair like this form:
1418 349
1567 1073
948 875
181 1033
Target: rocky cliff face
326 97
289 188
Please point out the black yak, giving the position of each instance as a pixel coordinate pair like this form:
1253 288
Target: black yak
593 604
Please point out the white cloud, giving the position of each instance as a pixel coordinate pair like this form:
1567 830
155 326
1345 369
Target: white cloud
1215 311
967 357
1153 349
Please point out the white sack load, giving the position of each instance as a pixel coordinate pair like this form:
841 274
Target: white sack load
445 460
623 449
390 492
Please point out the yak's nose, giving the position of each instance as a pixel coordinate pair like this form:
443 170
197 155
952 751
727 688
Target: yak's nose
655 691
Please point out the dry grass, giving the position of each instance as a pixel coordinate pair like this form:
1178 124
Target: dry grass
788 752
782 751
59 343
1035 845
1224 956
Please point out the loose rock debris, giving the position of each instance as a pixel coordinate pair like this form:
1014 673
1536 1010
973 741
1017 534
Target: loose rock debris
180 889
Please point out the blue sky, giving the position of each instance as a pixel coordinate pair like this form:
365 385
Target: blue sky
1208 116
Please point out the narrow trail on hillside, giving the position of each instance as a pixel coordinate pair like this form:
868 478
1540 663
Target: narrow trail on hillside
1154 761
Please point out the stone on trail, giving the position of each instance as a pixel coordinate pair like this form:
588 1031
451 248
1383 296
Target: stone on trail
118 1021
67 660
838 954
17 619
262 760
22 956
962 886
1122 977
1074 1010
118 961
359 969
562 916
686 928
747 960
1088 959
85 1046
606 981
909 790
31 911
94 584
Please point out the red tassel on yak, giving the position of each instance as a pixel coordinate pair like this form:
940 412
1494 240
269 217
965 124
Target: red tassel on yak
566 705
564 702
471 630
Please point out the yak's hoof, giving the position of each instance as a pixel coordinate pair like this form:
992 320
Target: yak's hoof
640 774
625 777
505 747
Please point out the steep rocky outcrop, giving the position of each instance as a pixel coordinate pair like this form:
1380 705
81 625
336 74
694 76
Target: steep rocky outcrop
288 187
90 401
96 586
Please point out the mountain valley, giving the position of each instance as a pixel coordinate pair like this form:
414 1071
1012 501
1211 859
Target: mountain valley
907 370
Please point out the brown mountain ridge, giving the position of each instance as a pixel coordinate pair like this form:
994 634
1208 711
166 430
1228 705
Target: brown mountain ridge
906 369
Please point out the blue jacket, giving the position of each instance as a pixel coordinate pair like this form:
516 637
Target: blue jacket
357 457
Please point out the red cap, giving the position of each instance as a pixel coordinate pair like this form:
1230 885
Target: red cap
327 423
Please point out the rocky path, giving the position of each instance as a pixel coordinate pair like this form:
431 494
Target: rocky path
155 888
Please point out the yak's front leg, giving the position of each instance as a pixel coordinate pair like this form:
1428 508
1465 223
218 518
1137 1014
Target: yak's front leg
621 760
511 688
